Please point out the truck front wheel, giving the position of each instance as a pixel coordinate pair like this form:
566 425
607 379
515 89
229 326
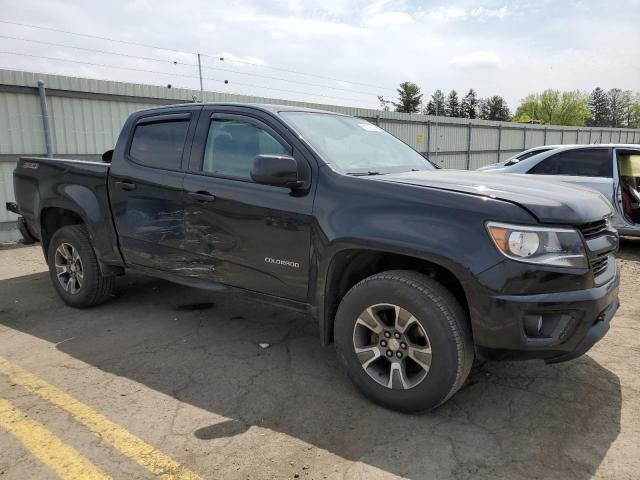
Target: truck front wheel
74 268
404 340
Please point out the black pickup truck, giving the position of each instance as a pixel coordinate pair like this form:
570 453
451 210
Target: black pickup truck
412 271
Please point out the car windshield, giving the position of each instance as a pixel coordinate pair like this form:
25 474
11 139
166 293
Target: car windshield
355 146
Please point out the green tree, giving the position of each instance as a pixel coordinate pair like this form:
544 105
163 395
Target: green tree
436 105
572 110
384 104
469 107
529 108
549 104
553 107
616 107
633 113
409 98
452 108
599 107
495 108
627 101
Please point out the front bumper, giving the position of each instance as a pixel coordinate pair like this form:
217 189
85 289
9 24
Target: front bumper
572 323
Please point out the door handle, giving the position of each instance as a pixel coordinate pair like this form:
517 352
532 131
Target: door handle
202 196
125 185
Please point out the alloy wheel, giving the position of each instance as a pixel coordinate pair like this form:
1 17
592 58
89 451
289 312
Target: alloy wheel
392 346
69 268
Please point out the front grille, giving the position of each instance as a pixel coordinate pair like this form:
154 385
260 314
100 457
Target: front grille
593 229
600 264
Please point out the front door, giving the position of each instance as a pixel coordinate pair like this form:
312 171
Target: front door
239 233
145 184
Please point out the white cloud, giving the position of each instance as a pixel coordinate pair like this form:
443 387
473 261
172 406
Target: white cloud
476 59
447 14
388 19
303 27
452 14
243 60
488 12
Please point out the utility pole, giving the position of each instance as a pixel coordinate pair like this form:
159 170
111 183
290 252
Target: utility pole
200 72
437 130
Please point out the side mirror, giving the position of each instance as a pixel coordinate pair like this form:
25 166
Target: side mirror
106 156
276 170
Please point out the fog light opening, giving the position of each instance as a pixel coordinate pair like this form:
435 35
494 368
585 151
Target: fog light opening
533 325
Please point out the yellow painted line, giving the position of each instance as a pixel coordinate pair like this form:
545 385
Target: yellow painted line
128 444
46 447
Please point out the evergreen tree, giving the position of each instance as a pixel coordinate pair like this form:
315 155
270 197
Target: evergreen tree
469 106
495 108
483 109
436 105
452 108
409 98
616 107
599 107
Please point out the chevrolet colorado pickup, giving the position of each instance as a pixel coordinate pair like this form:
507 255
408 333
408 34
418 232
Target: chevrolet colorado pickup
411 271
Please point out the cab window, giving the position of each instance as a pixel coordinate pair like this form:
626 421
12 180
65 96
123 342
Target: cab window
232 146
159 144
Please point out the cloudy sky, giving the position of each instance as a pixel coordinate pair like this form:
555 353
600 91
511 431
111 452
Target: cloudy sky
333 51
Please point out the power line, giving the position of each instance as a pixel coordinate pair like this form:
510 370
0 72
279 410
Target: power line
203 67
107 52
219 57
178 75
87 35
297 72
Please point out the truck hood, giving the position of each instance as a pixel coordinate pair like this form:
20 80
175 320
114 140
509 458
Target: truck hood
549 201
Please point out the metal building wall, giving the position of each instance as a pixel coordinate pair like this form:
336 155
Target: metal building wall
86 116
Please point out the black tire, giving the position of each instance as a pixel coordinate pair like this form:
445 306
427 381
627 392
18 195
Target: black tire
447 330
94 288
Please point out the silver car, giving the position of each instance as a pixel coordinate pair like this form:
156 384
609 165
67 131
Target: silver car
612 169
522 156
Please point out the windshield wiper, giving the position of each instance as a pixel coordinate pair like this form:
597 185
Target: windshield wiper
364 174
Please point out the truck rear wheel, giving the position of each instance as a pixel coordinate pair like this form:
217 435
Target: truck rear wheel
74 268
404 340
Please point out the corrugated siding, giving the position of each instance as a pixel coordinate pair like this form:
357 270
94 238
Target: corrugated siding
535 138
82 126
481 159
6 192
512 139
483 138
21 128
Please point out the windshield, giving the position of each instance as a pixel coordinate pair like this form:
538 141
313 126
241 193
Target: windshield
352 145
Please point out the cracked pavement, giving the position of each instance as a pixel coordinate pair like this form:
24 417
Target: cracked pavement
183 370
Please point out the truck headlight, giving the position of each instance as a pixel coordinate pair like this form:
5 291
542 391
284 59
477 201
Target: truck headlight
561 247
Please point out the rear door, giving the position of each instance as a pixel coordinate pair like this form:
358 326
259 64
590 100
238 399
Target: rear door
588 167
243 234
145 185
628 224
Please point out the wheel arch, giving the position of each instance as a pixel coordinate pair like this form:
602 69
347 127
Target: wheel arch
351 265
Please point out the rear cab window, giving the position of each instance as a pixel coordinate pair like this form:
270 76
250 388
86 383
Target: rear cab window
159 143
584 162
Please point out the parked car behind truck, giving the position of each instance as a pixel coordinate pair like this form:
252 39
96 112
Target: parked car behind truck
611 169
413 272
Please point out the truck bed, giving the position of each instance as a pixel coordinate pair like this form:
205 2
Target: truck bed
43 185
